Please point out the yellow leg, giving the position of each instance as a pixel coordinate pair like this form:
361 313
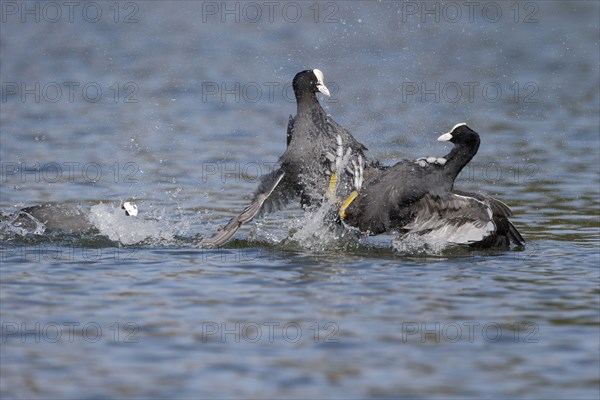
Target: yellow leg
346 203
331 189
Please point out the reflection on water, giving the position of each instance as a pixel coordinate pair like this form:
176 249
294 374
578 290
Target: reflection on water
193 109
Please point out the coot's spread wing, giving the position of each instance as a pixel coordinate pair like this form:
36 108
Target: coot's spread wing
268 185
498 207
349 141
456 219
506 232
282 192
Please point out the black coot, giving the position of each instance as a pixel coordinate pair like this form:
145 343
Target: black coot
303 166
417 197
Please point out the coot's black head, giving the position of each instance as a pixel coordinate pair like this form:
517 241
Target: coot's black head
309 82
461 134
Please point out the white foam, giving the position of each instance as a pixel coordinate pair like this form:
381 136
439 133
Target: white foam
309 231
111 221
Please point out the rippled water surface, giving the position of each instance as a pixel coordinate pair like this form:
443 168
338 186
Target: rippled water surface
181 105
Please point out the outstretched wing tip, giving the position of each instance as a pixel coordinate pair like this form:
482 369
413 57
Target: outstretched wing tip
225 233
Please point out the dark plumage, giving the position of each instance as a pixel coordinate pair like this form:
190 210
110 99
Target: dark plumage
311 133
303 166
417 197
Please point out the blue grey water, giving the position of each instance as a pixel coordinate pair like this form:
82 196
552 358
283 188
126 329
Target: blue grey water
180 105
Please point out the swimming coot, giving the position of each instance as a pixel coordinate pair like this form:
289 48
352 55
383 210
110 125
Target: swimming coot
418 198
65 217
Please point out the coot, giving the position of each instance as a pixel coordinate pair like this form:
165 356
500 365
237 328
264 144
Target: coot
418 198
303 172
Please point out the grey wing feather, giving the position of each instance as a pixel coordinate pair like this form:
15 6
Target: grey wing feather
272 194
266 188
457 219
465 218
498 207
501 217
280 196
348 139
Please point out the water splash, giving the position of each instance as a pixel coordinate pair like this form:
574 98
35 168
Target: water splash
417 243
111 221
21 223
50 221
320 228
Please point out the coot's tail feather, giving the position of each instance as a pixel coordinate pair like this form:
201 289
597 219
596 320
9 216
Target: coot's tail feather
506 232
514 235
